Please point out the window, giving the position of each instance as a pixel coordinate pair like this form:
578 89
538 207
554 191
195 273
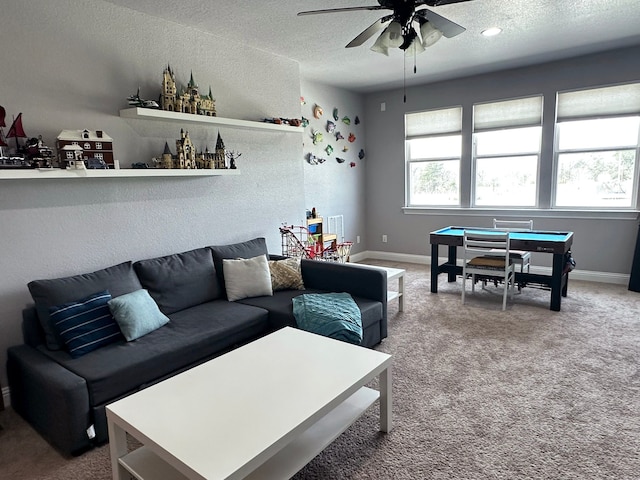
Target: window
593 160
434 146
597 146
506 152
98 145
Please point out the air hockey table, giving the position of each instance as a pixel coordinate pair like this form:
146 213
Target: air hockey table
556 243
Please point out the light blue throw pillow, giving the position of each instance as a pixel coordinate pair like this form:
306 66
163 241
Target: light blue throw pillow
137 314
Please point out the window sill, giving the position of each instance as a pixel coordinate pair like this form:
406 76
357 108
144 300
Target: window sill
529 213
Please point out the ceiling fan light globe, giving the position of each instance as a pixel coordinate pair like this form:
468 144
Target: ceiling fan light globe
394 31
429 34
381 44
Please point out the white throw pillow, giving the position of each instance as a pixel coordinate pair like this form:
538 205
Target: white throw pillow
247 277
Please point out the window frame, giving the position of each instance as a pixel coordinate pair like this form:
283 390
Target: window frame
526 121
547 169
556 167
594 115
413 161
452 130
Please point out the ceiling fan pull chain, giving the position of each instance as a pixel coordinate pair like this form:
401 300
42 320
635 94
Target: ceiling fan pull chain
404 77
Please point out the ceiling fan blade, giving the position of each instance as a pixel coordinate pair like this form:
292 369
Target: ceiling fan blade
369 32
447 27
346 9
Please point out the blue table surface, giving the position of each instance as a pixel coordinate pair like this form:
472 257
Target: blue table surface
540 235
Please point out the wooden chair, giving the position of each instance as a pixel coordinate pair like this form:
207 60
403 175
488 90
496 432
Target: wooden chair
487 254
519 257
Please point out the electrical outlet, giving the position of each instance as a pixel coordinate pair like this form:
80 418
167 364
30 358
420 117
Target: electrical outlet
383 106
357 238
384 239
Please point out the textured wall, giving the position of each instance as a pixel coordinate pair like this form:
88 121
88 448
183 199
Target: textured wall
336 188
601 244
69 64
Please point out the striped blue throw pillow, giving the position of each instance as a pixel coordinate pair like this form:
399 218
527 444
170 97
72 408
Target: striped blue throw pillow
85 325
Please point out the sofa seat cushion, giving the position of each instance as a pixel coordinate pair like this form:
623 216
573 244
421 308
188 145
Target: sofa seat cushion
191 336
280 307
180 281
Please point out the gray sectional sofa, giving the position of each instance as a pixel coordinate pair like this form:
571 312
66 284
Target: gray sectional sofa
64 397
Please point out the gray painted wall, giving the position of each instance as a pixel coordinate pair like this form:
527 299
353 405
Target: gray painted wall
69 64
336 188
602 243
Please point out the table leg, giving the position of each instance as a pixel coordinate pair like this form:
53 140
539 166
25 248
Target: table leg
401 293
386 402
452 260
117 449
556 281
434 268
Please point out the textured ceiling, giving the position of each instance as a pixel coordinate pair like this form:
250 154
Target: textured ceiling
533 31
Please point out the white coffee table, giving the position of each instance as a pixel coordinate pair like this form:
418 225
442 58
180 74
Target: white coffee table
262 411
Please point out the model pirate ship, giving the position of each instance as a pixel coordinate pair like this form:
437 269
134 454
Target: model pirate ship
32 153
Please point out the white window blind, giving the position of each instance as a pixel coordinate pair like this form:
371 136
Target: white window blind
433 122
522 112
598 102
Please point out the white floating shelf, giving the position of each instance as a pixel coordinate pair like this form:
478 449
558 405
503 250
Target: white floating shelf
156 114
50 173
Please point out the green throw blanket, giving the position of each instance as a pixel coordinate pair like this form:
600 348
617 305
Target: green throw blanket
333 315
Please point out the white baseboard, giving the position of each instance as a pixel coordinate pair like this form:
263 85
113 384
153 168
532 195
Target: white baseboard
586 275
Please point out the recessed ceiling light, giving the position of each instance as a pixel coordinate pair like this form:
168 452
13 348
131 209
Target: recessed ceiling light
491 32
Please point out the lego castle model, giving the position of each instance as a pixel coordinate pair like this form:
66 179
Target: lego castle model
187 157
189 100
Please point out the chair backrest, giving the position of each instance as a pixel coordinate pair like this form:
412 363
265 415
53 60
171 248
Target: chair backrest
483 243
513 225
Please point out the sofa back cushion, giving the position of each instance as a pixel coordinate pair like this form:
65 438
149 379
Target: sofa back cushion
118 280
249 249
181 280
32 331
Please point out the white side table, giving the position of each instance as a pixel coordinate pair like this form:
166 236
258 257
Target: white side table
393 274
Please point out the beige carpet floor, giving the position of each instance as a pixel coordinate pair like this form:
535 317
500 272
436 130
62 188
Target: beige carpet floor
478 394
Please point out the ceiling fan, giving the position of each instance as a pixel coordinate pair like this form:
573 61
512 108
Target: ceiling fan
401 29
